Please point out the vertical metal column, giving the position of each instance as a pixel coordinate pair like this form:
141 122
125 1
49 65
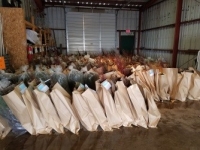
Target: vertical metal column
66 36
139 32
177 32
84 32
120 50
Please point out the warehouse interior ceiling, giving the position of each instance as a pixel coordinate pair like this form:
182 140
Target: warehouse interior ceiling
115 4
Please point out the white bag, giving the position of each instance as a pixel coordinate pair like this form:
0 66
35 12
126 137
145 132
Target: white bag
138 102
124 106
194 88
183 85
153 112
162 86
15 102
37 118
4 128
171 74
85 116
64 108
91 98
48 111
107 101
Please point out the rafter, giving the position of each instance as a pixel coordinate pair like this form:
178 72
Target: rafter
95 3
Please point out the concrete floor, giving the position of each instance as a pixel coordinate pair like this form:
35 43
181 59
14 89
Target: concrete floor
178 129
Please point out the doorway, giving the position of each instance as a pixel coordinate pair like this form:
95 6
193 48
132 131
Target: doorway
127 44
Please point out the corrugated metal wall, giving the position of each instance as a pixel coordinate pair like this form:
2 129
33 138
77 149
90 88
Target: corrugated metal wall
127 20
189 33
28 6
55 20
158 42
160 15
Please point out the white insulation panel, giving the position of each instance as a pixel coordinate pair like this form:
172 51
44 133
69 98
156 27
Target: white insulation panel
90 32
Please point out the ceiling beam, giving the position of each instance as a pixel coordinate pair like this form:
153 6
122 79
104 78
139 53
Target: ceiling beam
90 5
99 1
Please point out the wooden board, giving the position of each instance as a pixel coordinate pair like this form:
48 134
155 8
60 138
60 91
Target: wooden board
15 35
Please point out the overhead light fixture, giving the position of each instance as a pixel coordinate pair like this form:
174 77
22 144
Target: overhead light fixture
128 4
77 2
99 3
104 3
116 4
136 5
91 3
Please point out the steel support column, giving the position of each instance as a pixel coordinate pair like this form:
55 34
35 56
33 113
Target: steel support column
120 50
139 32
177 32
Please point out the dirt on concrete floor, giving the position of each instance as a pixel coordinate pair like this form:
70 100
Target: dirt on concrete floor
178 129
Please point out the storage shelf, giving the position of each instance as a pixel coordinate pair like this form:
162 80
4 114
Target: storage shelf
43 33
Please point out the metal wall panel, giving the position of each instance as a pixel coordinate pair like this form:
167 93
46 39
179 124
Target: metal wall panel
190 10
75 40
159 15
189 33
158 39
127 20
90 32
28 7
186 60
107 22
165 56
59 34
189 36
164 14
55 19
